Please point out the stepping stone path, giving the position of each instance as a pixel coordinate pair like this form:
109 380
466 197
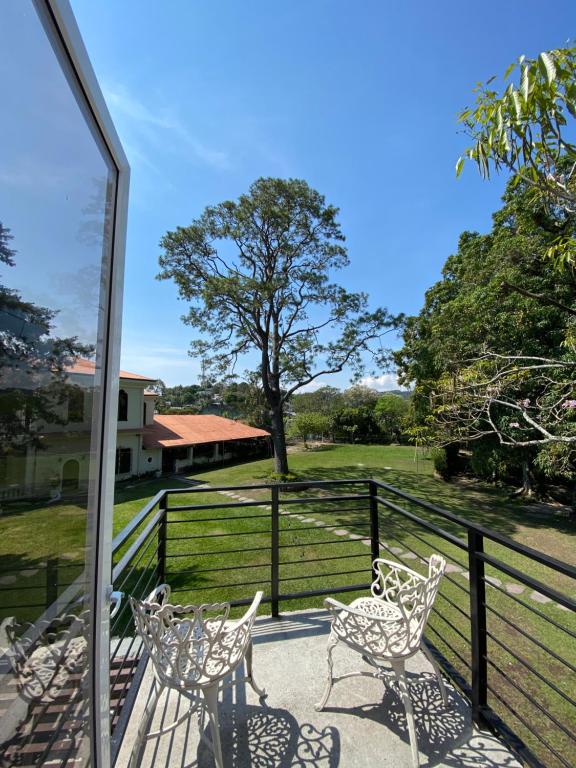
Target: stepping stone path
511 588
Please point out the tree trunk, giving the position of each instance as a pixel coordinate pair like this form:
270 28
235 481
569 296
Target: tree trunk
279 440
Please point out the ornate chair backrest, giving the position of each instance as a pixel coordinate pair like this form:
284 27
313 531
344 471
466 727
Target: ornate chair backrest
193 645
410 592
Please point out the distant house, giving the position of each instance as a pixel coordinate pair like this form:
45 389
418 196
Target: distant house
174 442
59 461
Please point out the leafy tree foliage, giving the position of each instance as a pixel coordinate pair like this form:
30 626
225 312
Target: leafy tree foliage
325 400
32 364
392 412
528 130
356 425
256 273
305 426
491 364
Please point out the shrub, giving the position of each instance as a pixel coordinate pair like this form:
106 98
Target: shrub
440 461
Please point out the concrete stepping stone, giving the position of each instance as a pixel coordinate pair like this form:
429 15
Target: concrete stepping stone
341 532
308 519
366 542
355 536
466 575
395 550
515 589
410 556
451 568
562 607
9 579
494 581
539 597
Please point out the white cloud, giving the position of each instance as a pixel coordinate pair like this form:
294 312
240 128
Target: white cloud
383 383
148 127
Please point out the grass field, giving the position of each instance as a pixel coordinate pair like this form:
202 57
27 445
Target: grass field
207 557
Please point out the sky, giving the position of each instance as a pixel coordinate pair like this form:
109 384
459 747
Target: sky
358 98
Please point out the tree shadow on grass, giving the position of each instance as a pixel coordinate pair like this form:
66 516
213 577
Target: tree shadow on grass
481 504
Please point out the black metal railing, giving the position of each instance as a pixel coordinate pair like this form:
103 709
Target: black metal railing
511 652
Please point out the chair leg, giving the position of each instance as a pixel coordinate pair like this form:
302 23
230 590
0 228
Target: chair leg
332 642
211 697
250 674
140 743
428 653
398 667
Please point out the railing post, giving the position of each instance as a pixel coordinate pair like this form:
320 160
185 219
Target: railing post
374 528
162 532
275 550
51 581
478 625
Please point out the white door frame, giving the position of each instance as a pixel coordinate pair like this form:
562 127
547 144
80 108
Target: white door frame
63 32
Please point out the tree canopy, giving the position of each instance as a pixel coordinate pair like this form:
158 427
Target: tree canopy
528 130
491 364
256 274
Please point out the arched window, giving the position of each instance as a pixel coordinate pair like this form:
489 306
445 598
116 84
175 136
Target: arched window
123 405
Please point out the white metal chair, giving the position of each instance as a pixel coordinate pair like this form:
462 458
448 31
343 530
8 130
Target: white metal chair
388 627
192 649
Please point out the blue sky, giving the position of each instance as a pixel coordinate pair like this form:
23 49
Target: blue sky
358 98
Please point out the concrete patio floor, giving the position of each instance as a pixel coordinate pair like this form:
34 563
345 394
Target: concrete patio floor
363 725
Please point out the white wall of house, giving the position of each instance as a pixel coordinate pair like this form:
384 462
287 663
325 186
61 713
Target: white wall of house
132 441
150 461
150 401
135 392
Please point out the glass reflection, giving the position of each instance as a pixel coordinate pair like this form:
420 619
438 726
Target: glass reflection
56 204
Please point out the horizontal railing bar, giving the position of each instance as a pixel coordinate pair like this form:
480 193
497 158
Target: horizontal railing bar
436 549
145 571
219 505
230 585
323 559
217 519
136 521
452 650
321 592
530 699
135 564
460 543
225 568
531 669
319 543
221 552
551 562
127 556
216 535
325 499
528 726
364 510
322 575
532 639
455 629
319 528
300 485
529 581
535 611
454 605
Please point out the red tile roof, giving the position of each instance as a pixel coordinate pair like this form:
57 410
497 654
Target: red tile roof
172 431
87 367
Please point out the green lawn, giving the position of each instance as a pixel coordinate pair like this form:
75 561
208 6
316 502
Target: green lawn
207 557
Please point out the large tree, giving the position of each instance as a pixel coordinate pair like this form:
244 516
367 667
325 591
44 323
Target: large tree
493 365
257 274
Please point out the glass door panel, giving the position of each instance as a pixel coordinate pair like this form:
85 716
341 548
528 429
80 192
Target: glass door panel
57 193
